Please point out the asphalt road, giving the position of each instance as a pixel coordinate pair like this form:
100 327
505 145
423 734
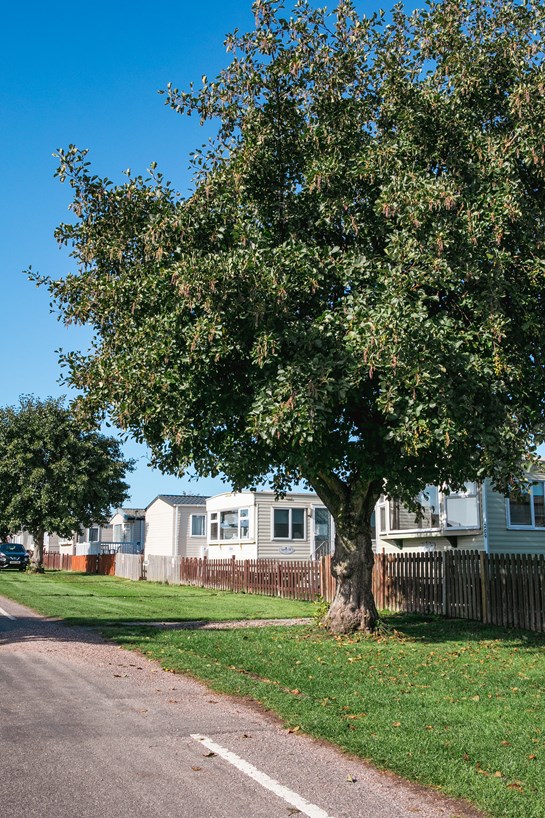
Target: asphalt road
89 730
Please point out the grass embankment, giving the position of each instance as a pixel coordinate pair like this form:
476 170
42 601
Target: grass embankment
450 704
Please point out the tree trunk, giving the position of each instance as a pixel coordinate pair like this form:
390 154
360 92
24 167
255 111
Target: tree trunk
37 562
354 605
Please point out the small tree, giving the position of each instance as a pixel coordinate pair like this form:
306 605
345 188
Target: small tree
54 476
353 295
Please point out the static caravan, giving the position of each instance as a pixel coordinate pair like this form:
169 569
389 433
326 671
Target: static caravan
176 526
255 525
477 518
128 530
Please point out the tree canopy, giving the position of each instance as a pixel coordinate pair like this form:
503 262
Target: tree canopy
353 293
55 476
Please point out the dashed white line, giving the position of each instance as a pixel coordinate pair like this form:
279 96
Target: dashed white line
262 778
5 613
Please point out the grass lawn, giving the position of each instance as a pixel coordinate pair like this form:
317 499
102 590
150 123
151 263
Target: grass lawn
450 704
87 599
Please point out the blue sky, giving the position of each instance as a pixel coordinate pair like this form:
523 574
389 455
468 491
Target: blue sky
88 74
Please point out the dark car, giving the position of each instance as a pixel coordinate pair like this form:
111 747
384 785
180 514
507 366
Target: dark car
13 555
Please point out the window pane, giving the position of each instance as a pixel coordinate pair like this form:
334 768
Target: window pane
229 525
382 511
214 530
93 535
539 509
197 525
519 510
429 500
281 523
321 522
462 512
298 523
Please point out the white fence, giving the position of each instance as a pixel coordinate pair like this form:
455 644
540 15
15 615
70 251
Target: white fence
129 566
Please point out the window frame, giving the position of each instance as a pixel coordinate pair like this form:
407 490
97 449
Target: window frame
384 514
290 537
193 517
518 526
244 521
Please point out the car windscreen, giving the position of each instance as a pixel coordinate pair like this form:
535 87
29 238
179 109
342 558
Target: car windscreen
12 548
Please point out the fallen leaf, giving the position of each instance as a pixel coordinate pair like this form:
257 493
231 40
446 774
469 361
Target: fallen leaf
208 755
396 724
294 729
515 785
497 774
296 691
532 756
196 769
351 779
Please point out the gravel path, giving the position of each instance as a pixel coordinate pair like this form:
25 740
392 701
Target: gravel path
205 625
115 736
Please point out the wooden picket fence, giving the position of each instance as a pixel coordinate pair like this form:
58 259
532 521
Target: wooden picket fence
498 589
291 580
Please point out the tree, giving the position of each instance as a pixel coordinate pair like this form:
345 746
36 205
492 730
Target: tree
353 293
55 476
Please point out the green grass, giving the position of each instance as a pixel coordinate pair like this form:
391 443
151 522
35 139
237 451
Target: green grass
451 704
87 599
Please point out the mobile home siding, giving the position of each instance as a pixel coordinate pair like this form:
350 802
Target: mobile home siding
268 548
188 546
503 540
160 529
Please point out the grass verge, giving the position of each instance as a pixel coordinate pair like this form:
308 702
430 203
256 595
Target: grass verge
87 599
450 704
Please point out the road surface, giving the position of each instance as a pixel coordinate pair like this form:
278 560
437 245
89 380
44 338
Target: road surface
89 730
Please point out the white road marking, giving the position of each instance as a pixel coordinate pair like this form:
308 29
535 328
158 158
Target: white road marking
5 613
262 778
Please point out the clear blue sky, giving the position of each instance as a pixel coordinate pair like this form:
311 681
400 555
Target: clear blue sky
88 74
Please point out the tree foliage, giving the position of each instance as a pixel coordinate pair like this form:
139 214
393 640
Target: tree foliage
353 293
55 476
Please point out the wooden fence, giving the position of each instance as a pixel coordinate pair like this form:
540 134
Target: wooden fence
499 589
129 566
58 562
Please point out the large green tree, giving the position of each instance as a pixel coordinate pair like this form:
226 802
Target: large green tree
353 295
54 475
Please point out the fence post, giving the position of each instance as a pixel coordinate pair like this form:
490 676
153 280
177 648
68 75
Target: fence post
383 580
445 583
246 574
483 564
233 573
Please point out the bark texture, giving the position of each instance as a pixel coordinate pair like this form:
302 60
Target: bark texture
37 562
354 606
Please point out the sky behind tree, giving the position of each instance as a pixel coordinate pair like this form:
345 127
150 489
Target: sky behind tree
89 75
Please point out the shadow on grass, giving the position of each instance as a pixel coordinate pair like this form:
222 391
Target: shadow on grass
436 629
